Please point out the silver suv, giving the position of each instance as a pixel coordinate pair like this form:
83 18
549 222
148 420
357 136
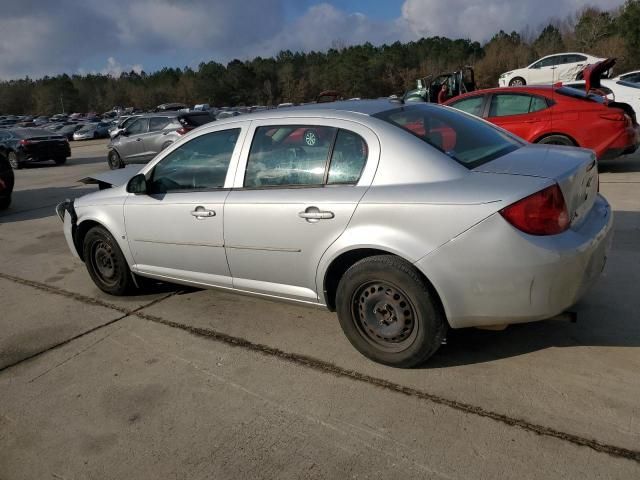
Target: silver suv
145 136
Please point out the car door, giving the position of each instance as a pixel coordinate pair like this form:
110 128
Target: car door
156 136
175 230
130 143
472 104
569 67
296 189
543 71
522 114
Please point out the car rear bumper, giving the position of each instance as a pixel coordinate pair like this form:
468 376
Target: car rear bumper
494 274
624 144
45 152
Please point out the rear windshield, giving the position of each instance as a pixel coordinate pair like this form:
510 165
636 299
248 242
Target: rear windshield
195 120
467 140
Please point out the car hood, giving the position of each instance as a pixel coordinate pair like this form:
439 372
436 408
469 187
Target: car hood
593 73
113 178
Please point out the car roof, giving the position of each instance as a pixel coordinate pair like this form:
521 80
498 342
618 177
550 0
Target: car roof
539 89
346 108
30 132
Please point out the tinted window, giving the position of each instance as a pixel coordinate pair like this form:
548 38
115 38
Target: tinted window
348 158
158 123
468 140
199 164
546 62
503 105
138 126
196 120
470 105
288 155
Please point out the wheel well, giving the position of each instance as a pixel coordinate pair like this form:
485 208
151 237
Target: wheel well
79 234
575 144
343 262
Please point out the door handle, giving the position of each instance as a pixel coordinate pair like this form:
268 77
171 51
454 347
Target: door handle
313 214
138 139
201 213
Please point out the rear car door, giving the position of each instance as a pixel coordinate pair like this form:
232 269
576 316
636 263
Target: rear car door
175 231
569 67
522 114
131 145
296 189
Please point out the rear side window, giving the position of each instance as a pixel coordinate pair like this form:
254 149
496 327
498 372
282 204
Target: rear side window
470 105
298 155
158 123
348 158
503 105
195 120
467 140
199 164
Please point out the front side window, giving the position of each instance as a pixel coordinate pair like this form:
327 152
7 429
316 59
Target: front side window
139 126
467 140
289 155
471 105
200 164
503 105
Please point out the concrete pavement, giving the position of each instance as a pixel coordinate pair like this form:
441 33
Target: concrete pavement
203 384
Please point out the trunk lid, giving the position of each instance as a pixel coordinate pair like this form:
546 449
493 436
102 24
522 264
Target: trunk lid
575 170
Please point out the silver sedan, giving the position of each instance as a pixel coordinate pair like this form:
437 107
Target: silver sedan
405 219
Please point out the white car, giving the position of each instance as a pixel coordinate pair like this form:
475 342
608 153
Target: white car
561 67
630 77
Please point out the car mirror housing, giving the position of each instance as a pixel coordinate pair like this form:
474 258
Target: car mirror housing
137 184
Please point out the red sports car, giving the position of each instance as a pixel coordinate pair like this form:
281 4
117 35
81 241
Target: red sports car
557 115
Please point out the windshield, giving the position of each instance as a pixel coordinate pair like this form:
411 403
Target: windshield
466 139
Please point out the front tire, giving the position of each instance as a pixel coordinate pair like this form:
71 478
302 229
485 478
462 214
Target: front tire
517 82
105 263
389 312
114 160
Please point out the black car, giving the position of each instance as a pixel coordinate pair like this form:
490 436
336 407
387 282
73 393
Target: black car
6 181
24 145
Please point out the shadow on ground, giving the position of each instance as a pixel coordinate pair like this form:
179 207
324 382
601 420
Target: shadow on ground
39 203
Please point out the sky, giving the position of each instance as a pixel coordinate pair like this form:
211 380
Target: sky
48 37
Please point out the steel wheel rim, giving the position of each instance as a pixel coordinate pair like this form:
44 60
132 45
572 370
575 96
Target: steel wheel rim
112 160
13 160
384 316
104 262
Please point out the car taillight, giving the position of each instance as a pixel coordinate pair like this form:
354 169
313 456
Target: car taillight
24 142
543 213
184 130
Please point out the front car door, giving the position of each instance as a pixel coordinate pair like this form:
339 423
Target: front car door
175 231
295 191
543 71
524 115
130 143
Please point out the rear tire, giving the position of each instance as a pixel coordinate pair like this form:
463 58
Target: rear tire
389 313
517 82
557 140
114 160
14 160
106 264
60 160
165 145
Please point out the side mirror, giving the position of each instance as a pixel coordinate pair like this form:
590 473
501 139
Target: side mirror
137 184
123 132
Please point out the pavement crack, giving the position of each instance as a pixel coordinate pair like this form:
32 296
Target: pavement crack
80 298
329 368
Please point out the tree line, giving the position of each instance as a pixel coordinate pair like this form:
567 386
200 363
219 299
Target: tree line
365 71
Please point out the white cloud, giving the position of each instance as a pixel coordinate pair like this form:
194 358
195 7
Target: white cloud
479 19
115 68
